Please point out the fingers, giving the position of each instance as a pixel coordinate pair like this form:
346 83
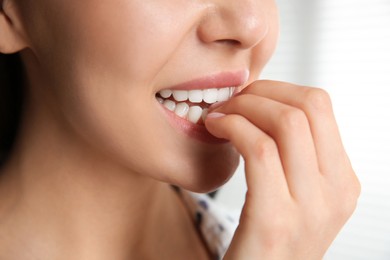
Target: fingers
264 172
289 130
303 186
316 104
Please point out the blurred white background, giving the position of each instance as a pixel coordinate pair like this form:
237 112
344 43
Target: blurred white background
343 46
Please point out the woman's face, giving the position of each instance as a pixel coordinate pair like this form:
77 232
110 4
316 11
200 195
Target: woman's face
99 65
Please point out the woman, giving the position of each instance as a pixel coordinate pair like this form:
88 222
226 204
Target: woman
123 99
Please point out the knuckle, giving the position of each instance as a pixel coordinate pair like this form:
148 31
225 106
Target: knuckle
347 204
352 189
317 100
264 148
292 119
344 211
355 187
350 183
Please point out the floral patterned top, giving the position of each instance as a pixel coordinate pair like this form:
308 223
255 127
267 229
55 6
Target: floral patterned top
215 223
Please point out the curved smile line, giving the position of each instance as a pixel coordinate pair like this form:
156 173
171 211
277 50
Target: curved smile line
193 104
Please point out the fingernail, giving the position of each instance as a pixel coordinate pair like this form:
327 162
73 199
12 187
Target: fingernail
213 115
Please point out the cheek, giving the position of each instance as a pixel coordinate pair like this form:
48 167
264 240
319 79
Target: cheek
130 39
127 39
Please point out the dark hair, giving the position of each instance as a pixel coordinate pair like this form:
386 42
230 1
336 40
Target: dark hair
11 100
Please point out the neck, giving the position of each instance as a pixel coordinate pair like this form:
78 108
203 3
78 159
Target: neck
63 197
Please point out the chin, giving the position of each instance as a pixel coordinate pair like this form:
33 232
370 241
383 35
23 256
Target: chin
208 173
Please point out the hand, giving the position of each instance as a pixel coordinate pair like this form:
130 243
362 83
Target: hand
301 185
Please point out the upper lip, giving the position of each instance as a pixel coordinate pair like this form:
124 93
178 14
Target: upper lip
217 80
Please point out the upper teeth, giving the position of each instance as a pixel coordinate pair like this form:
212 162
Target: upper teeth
208 96
192 113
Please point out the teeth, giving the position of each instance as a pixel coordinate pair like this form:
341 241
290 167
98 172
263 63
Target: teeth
210 96
195 96
177 102
194 114
166 93
180 95
182 109
171 105
224 94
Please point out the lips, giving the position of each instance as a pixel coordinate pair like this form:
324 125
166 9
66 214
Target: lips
186 104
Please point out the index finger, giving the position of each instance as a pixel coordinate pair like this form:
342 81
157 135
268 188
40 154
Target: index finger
317 106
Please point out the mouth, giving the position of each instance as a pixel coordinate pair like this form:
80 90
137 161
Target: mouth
186 105
193 105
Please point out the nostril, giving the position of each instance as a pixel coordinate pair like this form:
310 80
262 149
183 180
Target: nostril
229 42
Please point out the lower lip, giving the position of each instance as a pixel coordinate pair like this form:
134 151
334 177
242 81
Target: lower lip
195 131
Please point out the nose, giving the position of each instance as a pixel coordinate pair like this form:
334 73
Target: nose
241 23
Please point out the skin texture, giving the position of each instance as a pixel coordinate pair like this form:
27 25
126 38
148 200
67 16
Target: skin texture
95 148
